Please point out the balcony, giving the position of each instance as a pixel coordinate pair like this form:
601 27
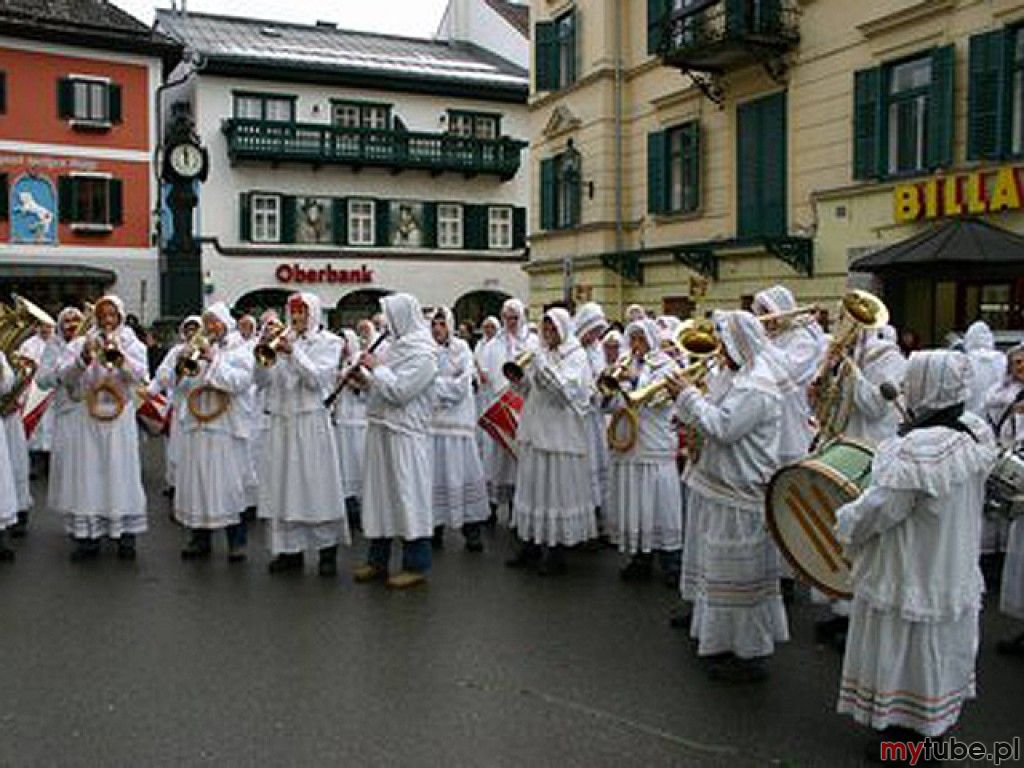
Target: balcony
322 144
716 37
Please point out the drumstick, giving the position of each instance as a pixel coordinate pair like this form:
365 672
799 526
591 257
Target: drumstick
889 392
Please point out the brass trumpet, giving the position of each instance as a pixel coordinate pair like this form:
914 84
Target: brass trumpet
266 351
515 370
609 382
809 309
188 363
110 355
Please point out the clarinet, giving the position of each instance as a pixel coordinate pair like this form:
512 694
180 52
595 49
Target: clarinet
348 374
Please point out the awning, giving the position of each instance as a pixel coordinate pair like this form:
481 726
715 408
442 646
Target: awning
958 244
56 272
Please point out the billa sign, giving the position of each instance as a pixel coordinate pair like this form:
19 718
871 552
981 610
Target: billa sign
297 274
977 192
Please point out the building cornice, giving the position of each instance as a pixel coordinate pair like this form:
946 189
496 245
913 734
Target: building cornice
285 251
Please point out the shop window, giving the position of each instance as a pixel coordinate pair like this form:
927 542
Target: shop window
449 226
90 202
274 108
361 223
266 218
673 169
556 51
499 228
88 102
903 116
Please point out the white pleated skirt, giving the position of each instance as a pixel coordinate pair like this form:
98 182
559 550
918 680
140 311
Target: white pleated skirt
171 449
553 503
644 506
734 582
351 450
908 674
1011 595
17 449
459 492
500 469
598 455
8 493
292 538
212 469
397 485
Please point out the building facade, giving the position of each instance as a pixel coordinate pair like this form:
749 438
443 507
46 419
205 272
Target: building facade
353 164
687 153
78 84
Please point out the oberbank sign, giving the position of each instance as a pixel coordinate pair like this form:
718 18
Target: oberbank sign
988 191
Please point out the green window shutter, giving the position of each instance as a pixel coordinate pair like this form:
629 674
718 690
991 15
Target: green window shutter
114 102
65 98
735 17
474 227
568 78
519 227
657 178
548 198
656 13
987 92
339 212
545 53
691 166
382 222
287 219
429 225
4 211
748 171
66 199
941 108
867 123
244 218
773 165
116 192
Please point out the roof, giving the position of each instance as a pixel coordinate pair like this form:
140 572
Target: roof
516 14
87 23
323 53
956 243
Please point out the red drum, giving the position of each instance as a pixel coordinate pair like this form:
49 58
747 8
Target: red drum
501 419
36 403
154 415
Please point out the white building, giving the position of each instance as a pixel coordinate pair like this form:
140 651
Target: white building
353 164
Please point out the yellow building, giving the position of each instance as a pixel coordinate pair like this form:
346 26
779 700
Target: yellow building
690 152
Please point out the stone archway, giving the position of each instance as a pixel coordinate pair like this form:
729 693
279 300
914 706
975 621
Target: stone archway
355 306
474 306
256 302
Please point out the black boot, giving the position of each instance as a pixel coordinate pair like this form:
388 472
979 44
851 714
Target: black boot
6 553
85 549
1011 647
198 547
20 528
553 562
492 521
328 567
639 568
354 511
126 547
437 542
286 562
788 591
526 554
736 670
471 533
831 631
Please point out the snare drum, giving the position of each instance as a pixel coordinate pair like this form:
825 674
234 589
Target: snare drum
802 502
501 419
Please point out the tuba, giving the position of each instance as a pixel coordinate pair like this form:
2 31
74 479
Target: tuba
16 325
830 389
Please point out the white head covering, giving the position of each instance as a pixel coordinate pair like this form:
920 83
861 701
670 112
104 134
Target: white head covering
648 329
635 312
742 334
516 306
668 323
589 317
936 379
196 319
613 337
979 336
221 312
116 302
778 298
492 321
888 334
351 344
410 331
449 320
313 309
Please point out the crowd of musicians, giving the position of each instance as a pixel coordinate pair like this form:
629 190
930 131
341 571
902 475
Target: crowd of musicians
377 429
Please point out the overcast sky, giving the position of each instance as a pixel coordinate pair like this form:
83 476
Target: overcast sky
418 18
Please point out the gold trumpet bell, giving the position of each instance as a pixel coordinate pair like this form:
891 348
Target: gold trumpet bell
866 309
514 370
697 338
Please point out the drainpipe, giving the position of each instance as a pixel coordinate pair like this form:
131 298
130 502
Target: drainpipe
619 240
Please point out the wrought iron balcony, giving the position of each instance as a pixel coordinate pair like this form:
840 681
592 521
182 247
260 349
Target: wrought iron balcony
323 144
718 36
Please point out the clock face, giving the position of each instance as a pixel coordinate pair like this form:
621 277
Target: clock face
187 160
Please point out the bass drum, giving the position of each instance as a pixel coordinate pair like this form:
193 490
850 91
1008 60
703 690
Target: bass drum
802 502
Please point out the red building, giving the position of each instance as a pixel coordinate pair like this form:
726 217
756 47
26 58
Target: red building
78 134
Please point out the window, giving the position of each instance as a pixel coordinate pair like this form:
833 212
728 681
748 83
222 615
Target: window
561 190
90 201
89 100
761 167
499 228
449 226
473 124
673 169
556 53
903 116
266 218
995 97
353 114
361 229
270 107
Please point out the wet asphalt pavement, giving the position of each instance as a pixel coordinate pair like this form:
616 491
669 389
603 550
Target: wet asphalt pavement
161 662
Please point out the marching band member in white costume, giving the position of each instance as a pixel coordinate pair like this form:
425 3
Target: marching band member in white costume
164 381
101 494
397 482
350 431
591 325
18 449
612 345
644 503
912 537
300 481
254 414
738 614
41 440
1005 411
553 507
510 342
213 451
482 392
459 488
8 493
